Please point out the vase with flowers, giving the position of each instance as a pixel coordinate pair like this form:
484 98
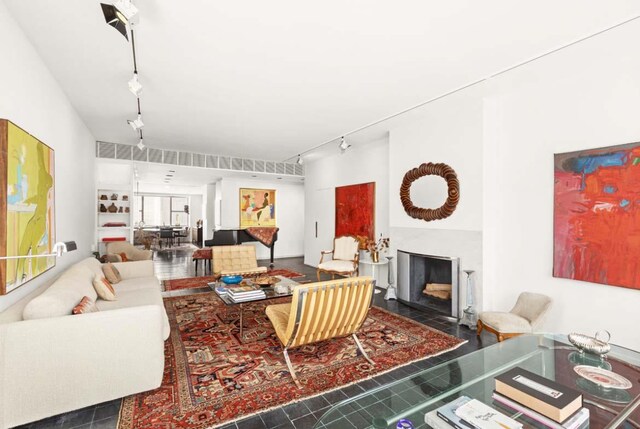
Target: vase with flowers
374 247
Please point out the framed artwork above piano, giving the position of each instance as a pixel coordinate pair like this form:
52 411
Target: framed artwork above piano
257 207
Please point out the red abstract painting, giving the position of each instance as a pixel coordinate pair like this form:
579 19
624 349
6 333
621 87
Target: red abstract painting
597 215
355 210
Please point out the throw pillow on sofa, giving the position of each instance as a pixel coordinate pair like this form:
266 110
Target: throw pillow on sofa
111 273
86 305
103 288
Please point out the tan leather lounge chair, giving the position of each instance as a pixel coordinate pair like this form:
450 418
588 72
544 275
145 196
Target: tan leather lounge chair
322 311
235 260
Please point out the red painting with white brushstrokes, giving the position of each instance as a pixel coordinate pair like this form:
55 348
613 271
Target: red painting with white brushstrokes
597 215
355 210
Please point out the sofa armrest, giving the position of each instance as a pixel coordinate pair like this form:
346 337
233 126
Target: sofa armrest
135 269
50 366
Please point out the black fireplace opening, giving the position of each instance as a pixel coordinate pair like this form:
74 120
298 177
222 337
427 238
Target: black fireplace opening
431 283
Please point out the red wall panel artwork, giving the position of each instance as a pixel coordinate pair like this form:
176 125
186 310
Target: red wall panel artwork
355 210
597 215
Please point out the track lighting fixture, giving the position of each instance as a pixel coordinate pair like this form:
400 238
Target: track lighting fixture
134 85
141 145
126 8
343 145
115 18
136 124
300 161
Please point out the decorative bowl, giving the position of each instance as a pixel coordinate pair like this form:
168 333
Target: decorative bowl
589 344
231 280
266 281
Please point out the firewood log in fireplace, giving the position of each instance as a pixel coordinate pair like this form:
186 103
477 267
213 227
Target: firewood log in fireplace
438 290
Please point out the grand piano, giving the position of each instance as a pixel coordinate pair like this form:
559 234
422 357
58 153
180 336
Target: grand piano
227 237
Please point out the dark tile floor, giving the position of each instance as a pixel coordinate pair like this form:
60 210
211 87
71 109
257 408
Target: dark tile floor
172 264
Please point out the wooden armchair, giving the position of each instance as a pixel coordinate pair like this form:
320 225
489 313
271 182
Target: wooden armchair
345 257
235 260
322 311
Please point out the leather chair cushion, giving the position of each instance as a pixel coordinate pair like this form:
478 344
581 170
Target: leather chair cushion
507 323
278 314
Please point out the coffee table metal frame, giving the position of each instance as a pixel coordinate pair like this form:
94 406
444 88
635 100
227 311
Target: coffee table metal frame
269 292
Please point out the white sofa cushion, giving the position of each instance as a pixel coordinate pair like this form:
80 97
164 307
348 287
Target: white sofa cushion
135 298
137 284
66 292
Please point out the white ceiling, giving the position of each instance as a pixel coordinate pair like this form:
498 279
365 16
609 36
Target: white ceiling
270 79
175 175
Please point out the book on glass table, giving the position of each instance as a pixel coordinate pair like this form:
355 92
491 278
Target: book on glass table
483 416
551 399
447 413
576 421
433 420
244 290
246 298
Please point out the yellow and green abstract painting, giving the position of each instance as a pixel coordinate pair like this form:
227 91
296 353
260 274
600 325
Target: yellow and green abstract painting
28 206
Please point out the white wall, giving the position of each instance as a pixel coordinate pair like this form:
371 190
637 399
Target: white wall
365 162
450 131
289 213
32 99
583 97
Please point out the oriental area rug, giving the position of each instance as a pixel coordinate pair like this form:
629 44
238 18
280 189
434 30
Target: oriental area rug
198 282
212 376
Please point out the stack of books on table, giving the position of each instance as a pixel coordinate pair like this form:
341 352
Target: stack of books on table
532 399
245 293
543 401
467 413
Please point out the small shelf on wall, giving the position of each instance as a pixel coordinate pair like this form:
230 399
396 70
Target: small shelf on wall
121 198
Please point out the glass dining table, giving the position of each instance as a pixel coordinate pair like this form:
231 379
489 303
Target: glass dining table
548 355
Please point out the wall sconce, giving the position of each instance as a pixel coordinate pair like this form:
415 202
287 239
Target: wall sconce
58 249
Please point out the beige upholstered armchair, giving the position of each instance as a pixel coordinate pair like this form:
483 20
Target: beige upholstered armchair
235 260
132 253
525 317
345 257
322 311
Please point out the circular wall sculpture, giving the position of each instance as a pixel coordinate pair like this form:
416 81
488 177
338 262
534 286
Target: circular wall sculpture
430 169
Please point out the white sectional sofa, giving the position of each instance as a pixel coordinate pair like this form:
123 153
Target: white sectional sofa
52 361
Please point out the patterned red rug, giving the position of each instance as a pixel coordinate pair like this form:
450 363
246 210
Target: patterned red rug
198 282
212 377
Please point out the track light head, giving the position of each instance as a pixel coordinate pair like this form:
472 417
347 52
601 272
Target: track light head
136 124
140 145
127 9
343 145
135 86
300 161
115 18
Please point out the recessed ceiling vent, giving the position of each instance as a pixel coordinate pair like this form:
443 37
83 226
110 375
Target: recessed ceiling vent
188 159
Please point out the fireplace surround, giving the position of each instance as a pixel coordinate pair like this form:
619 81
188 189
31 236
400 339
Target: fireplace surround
416 270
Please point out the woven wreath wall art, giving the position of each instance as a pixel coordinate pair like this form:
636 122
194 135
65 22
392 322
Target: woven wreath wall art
430 169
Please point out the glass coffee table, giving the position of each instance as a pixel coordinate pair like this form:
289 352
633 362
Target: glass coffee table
270 293
473 375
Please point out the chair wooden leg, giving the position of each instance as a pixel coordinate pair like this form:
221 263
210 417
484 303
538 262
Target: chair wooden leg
366 356
479 327
318 271
293 373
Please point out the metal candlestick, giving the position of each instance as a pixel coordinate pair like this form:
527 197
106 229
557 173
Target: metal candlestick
469 315
391 289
